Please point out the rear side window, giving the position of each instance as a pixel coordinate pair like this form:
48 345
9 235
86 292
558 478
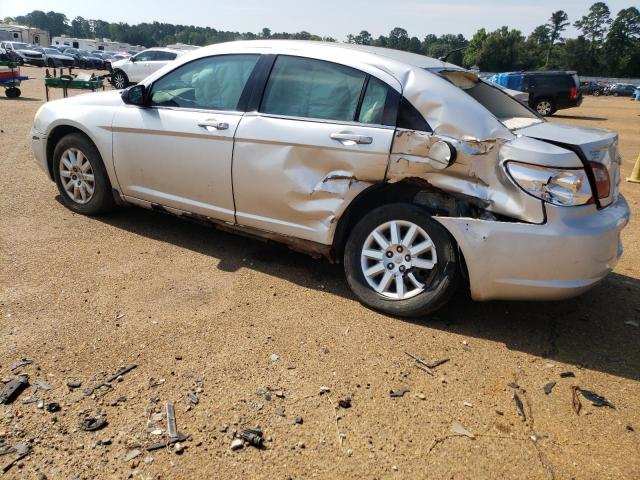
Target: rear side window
553 81
410 118
165 56
304 87
211 83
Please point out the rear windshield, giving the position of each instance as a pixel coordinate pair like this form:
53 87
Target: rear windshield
498 100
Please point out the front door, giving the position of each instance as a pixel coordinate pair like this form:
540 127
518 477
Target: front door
177 151
322 133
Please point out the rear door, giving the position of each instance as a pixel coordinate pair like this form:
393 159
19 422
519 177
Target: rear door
321 132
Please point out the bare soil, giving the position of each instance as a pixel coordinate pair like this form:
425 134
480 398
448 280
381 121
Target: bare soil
201 310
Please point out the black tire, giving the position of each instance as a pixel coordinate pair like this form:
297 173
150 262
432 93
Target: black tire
596 93
12 92
102 199
51 63
441 281
615 94
545 107
119 80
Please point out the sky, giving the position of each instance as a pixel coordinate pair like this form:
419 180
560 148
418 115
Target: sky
335 18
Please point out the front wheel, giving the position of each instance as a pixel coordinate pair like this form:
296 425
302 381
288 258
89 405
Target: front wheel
12 92
400 261
596 93
80 175
544 107
120 80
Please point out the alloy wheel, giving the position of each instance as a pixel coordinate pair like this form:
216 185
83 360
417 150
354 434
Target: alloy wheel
396 258
76 175
544 107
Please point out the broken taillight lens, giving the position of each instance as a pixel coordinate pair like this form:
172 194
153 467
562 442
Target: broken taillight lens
573 93
601 176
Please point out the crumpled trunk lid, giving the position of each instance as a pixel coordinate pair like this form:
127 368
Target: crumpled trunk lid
594 145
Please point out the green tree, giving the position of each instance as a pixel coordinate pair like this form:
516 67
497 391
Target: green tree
622 46
498 51
557 24
398 39
594 27
363 38
266 33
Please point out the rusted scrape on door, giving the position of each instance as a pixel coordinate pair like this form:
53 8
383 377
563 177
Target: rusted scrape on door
476 172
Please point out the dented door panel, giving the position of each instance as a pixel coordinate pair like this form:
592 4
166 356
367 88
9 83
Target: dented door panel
291 177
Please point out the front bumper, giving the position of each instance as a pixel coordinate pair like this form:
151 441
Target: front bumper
39 147
575 249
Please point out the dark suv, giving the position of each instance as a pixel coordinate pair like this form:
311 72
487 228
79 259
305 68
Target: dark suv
548 91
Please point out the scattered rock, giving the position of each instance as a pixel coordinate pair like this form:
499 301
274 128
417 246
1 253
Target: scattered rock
53 407
460 430
468 404
91 424
193 398
519 406
274 357
13 388
72 384
344 402
595 399
513 385
398 393
298 420
421 396
324 390
280 411
178 448
236 444
567 375
549 387
106 441
132 454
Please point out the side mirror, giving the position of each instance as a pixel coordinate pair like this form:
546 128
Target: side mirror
132 59
134 95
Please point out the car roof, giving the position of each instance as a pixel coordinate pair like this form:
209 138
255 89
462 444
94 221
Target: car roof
160 49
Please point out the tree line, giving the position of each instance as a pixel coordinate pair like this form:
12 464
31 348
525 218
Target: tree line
606 45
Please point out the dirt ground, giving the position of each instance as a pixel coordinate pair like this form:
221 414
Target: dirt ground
198 310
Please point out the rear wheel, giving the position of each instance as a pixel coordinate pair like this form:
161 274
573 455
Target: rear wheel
544 107
50 63
400 261
12 92
120 80
80 176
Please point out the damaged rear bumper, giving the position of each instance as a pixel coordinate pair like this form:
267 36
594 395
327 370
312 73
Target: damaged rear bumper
564 257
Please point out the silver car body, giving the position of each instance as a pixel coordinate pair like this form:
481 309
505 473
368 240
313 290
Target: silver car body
287 178
138 70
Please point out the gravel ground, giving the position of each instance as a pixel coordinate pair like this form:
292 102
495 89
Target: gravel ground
198 310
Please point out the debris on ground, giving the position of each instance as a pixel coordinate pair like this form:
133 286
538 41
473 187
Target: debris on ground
253 436
178 448
513 385
22 451
40 385
20 363
575 400
398 393
274 357
632 323
548 387
53 407
131 454
595 399
344 402
298 420
567 375
157 446
12 389
280 411
427 366
324 390
72 384
467 404
91 424
519 406
115 376
172 428
460 430
193 398
236 444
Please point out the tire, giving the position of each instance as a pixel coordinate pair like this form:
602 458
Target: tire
51 63
12 92
615 94
596 93
544 107
120 80
101 200
438 283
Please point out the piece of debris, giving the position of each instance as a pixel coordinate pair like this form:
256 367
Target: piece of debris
567 375
468 404
193 398
280 411
630 428
575 400
513 385
20 456
420 396
12 390
21 363
344 402
519 406
132 454
398 393
115 376
427 366
298 420
632 323
157 446
253 436
172 428
74 384
120 315
40 404
274 357
53 407
595 399
236 444
91 424
178 448
460 430
548 387
41 385
324 390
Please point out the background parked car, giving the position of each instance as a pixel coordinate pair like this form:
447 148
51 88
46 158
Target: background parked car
591 88
621 90
23 53
140 66
53 57
548 91
84 59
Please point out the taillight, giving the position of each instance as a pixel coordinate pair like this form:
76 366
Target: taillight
601 176
573 93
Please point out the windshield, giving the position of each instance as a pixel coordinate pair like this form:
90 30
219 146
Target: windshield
84 52
498 100
52 51
19 46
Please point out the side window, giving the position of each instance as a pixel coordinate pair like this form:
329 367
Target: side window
304 87
212 83
373 102
145 56
410 118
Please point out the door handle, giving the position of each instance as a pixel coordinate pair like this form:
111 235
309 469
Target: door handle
213 123
351 139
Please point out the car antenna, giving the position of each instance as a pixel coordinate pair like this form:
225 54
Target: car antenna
445 57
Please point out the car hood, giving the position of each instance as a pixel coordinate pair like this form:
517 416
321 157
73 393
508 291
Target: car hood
119 63
110 98
59 55
26 51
